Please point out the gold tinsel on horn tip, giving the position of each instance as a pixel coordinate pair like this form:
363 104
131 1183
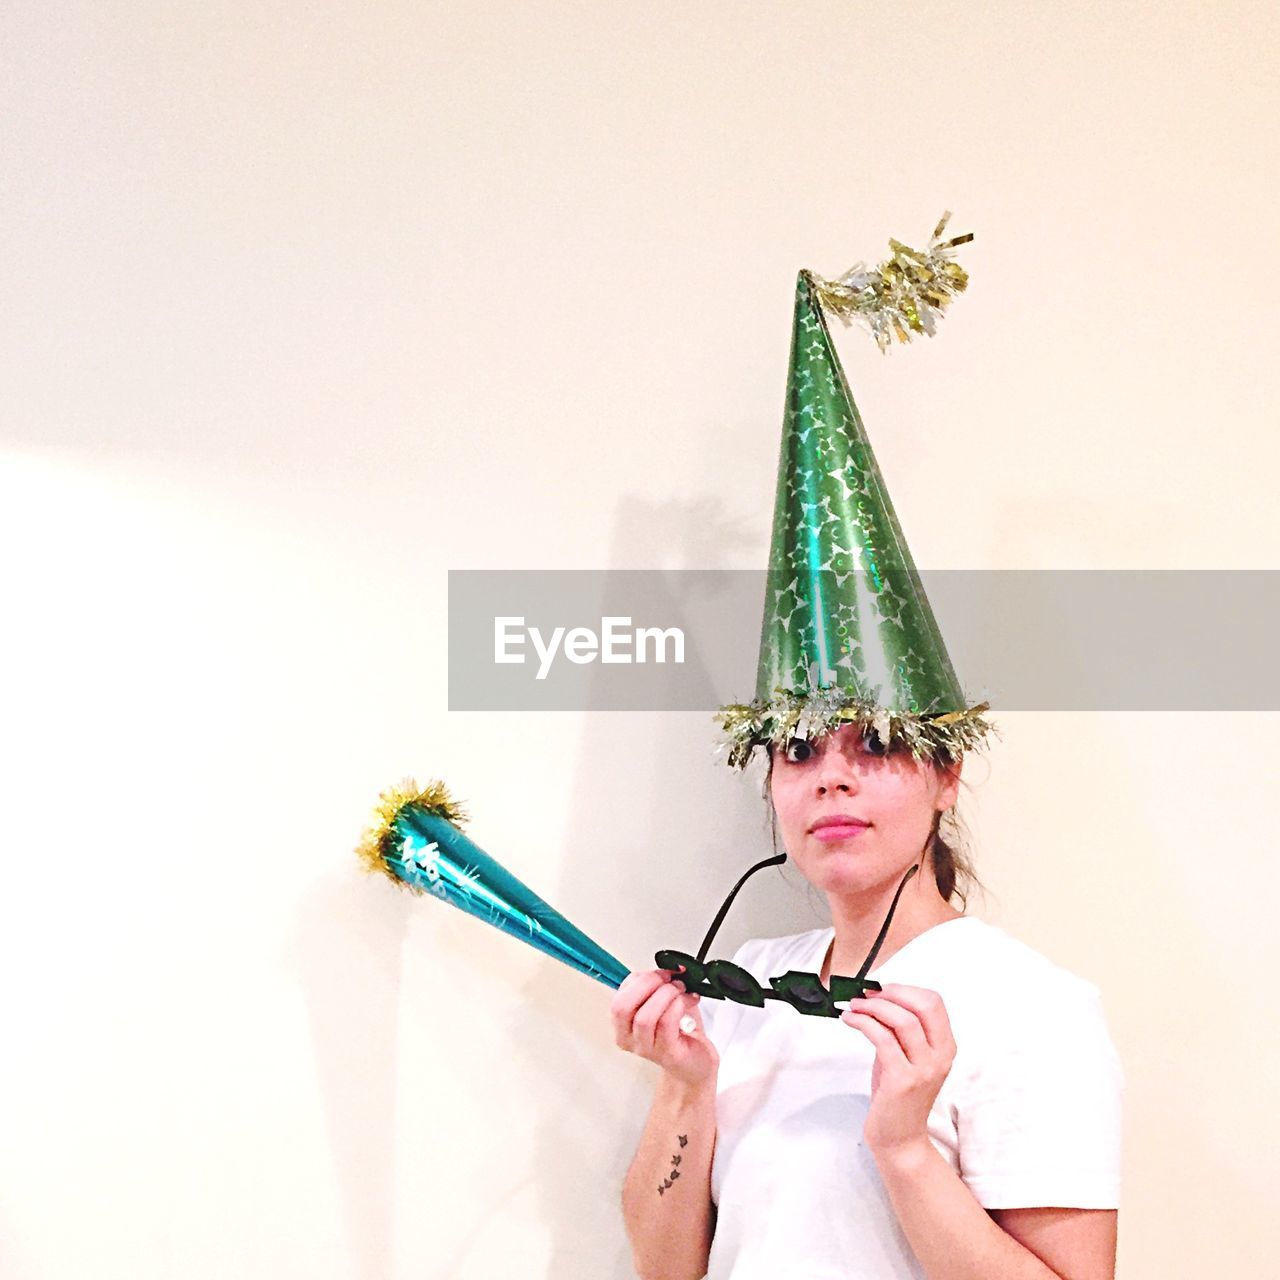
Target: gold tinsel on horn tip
905 294
434 797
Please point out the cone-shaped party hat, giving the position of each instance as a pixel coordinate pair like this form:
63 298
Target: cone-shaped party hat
848 633
416 839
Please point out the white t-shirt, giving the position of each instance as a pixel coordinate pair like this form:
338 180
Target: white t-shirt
1028 1115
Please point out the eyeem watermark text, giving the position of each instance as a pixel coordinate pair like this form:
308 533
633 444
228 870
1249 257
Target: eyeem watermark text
1024 640
616 641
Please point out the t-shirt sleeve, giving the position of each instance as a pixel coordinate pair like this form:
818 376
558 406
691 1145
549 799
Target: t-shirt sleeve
1039 1117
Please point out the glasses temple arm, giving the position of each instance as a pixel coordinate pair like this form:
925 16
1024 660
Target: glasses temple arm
884 928
728 902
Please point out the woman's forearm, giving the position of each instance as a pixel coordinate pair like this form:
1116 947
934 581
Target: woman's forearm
666 1196
950 1233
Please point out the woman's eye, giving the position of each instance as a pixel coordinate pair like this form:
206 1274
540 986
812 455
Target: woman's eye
798 751
872 744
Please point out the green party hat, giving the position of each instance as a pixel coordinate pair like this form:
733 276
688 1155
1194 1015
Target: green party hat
848 633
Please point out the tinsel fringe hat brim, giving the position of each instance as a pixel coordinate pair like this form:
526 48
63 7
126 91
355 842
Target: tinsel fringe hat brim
749 726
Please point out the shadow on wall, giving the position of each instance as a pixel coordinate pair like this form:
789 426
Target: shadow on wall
655 880
692 827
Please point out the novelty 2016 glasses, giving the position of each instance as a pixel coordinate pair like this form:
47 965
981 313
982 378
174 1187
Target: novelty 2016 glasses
724 980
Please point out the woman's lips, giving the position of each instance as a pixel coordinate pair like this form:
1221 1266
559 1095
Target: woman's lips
839 831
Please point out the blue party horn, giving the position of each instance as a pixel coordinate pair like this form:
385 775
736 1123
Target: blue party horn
416 839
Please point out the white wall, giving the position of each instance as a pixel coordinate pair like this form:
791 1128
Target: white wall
303 307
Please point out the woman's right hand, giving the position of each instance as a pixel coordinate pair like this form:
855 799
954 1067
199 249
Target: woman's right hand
646 1011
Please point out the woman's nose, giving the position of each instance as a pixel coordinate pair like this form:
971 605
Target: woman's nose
835 772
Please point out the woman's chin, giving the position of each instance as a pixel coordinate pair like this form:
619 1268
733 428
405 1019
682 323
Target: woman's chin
844 878
842 871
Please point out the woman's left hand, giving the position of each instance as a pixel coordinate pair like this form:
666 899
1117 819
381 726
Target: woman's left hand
914 1047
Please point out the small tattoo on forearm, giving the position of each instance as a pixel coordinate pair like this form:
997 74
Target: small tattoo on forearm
674 1171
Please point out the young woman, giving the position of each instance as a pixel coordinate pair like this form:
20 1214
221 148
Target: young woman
962 1123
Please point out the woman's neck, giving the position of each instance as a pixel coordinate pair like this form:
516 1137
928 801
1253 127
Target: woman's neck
858 921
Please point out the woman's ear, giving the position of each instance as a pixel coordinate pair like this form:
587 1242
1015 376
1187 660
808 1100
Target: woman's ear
949 791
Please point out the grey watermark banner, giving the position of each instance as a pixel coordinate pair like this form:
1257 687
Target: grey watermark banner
1024 640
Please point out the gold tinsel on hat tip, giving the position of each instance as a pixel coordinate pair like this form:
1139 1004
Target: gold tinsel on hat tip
433 796
904 295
